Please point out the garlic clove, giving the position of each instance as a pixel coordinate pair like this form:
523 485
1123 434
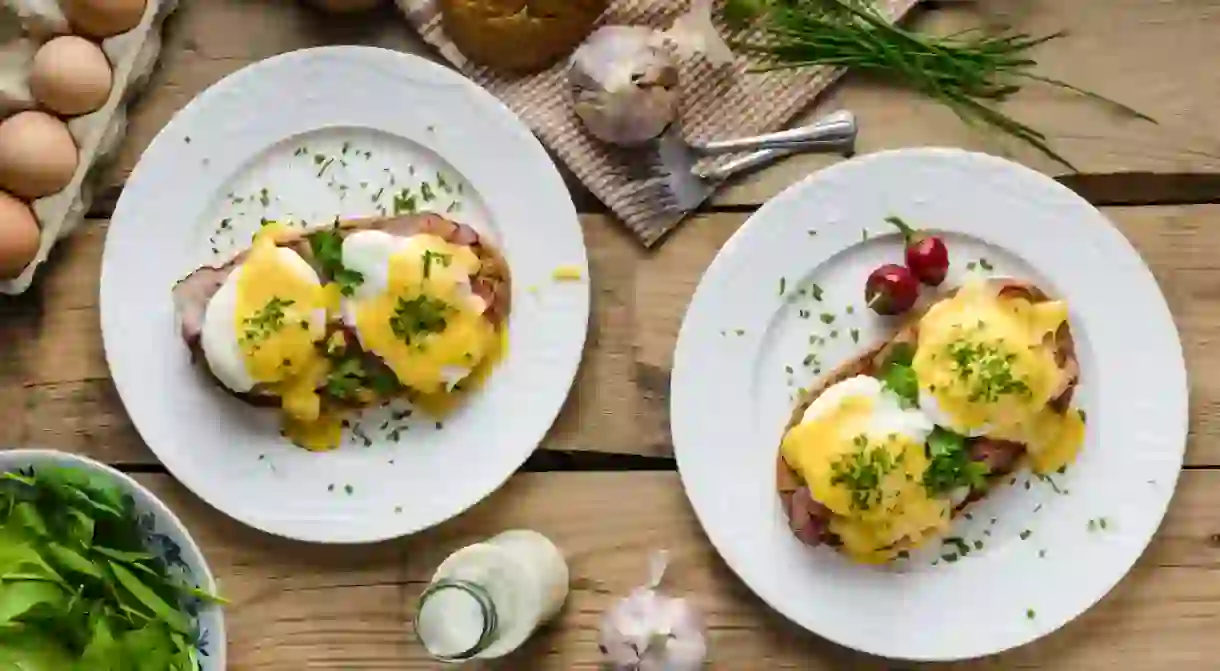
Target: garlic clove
693 33
649 630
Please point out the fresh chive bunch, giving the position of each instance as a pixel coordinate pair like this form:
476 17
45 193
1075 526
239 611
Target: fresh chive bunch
968 71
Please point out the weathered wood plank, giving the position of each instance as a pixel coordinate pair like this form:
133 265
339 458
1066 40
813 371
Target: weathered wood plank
1149 55
1132 52
298 606
57 381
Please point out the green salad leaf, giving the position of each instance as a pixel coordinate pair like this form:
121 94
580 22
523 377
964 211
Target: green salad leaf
950 465
897 375
327 248
79 589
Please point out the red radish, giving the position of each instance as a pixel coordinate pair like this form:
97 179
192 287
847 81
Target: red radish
891 290
926 255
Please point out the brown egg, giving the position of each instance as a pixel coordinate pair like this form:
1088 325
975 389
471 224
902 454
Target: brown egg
37 155
71 76
18 236
343 6
103 18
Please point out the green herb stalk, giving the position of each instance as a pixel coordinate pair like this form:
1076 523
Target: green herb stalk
968 71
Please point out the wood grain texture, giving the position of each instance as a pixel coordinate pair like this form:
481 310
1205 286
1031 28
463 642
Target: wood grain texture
298 606
55 388
1131 52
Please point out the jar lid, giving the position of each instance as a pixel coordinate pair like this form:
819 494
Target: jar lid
456 620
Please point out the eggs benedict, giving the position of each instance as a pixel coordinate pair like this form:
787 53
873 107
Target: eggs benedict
326 322
879 459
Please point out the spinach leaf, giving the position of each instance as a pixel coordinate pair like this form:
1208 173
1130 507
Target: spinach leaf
79 589
327 248
950 465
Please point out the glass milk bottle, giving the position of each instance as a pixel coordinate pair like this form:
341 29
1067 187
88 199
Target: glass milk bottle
486 599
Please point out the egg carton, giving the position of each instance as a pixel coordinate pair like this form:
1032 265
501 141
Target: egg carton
132 56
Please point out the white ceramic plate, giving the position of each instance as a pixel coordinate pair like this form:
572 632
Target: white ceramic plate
1042 555
308 136
164 536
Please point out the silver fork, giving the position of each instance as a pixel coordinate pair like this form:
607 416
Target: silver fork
677 187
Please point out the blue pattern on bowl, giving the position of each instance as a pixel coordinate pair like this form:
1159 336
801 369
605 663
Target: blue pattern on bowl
163 535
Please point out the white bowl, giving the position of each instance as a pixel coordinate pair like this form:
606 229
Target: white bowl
166 533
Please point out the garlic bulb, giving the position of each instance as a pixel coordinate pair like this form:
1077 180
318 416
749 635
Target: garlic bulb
649 631
624 85
624 79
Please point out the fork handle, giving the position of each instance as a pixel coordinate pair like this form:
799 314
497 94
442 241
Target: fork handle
833 132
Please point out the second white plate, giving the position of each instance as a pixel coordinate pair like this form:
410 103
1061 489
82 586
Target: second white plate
1041 551
308 136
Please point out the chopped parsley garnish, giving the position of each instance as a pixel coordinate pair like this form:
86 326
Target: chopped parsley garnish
417 317
327 248
267 321
862 470
441 183
1025 534
349 489
827 318
855 335
959 544
404 202
425 190
950 465
431 257
985 264
986 369
817 292
1029 613
783 285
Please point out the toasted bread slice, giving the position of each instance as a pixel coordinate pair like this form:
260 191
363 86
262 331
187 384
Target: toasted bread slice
809 520
492 283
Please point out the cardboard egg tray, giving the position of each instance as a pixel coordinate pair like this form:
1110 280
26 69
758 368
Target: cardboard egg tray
132 57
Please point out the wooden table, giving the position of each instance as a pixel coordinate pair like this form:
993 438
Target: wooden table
603 485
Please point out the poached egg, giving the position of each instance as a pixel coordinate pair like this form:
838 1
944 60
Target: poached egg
986 365
862 455
415 308
263 325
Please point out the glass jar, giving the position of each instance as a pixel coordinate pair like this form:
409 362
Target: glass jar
487 599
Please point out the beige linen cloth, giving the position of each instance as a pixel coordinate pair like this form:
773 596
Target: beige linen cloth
717 102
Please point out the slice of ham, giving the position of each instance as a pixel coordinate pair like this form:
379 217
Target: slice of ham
808 519
1000 456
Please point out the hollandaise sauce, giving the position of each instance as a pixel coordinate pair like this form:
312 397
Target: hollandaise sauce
281 310
424 321
864 459
987 364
